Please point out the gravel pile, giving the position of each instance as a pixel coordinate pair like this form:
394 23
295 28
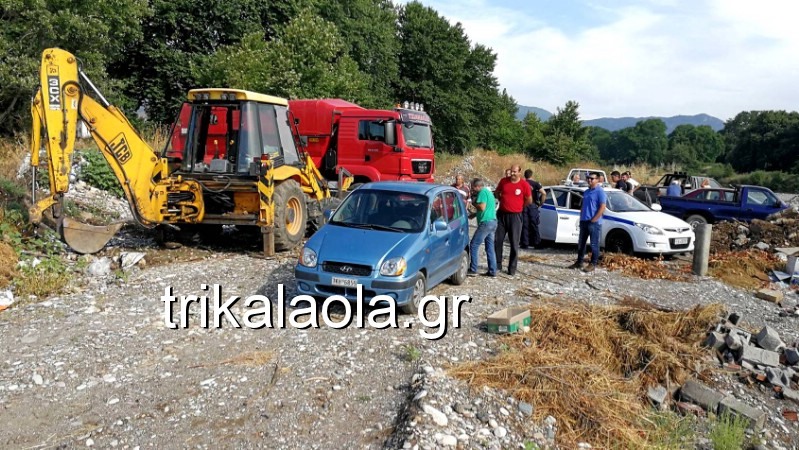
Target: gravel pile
98 367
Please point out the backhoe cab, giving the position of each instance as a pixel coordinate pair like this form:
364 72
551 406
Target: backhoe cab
233 161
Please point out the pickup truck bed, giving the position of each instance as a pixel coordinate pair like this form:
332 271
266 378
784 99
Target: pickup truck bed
747 203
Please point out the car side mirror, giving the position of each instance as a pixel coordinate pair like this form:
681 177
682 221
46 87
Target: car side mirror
440 225
656 207
390 132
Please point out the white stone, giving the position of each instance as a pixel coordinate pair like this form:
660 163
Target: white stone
500 432
438 417
447 440
37 379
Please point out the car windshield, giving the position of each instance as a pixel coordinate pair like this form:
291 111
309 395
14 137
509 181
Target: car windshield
623 202
417 135
382 210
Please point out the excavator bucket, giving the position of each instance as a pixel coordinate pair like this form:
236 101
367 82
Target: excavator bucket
84 238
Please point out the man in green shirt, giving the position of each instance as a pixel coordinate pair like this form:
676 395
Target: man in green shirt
486 228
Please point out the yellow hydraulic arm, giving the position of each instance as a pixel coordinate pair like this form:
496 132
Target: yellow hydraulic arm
154 197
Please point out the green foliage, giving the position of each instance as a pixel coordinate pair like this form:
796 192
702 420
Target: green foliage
95 30
765 140
98 173
672 431
776 181
560 140
412 353
50 276
728 432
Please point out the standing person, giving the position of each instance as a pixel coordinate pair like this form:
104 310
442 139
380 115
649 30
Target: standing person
618 183
674 189
530 217
628 177
594 201
463 188
486 229
513 194
507 173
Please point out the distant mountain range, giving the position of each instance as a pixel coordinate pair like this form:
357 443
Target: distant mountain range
618 123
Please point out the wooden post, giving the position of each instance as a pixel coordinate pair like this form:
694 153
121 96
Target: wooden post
702 248
268 232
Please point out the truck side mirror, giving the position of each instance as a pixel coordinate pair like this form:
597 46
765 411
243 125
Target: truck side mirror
296 121
390 130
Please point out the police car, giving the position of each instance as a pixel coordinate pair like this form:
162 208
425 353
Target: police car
628 225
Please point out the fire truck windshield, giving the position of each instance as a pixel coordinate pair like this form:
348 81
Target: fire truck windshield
417 135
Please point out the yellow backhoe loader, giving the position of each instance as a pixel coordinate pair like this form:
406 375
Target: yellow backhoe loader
231 158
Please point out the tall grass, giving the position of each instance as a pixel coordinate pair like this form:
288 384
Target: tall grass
491 166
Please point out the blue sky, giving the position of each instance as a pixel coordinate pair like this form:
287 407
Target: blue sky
640 58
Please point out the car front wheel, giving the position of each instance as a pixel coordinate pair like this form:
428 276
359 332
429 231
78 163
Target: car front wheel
419 291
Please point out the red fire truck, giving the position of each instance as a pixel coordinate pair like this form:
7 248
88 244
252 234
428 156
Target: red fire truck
371 144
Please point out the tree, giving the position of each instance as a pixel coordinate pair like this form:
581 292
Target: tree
767 140
369 29
94 31
533 138
166 62
307 59
689 144
565 138
602 141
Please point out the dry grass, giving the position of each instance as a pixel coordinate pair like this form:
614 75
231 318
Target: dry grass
647 269
491 166
8 264
249 359
12 152
747 269
589 366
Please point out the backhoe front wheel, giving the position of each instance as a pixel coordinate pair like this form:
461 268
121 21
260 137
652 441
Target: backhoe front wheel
291 215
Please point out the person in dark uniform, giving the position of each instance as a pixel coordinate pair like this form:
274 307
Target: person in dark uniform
531 237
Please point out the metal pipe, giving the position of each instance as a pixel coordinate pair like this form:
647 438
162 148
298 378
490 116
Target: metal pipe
100 97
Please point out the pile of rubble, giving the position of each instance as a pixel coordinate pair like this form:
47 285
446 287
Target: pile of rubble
780 230
761 359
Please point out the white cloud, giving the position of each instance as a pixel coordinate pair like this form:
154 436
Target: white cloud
656 57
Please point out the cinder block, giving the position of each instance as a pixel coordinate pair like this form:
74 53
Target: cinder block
791 394
759 356
696 392
769 295
732 406
715 340
733 341
791 355
769 339
657 394
778 377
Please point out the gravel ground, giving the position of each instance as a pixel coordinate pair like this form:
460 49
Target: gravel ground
98 367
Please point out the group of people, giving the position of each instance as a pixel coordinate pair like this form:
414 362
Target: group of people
517 217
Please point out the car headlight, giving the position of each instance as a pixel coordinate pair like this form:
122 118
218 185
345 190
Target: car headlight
649 229
393 267
308 257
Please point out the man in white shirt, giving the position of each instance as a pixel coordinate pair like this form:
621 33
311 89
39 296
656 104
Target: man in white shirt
627 176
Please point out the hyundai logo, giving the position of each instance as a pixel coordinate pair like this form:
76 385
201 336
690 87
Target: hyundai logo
346 269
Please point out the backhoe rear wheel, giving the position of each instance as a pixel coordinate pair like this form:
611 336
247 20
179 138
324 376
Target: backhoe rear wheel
291 215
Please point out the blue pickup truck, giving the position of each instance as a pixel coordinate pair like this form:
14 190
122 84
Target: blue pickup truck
711 205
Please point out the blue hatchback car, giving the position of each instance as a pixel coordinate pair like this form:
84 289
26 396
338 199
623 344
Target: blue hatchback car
392 238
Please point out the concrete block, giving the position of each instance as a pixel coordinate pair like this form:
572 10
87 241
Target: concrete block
769 295
759 356
696 392
715 340
733 406
746 337
657 394
769 339
790 394
733 341
778 377
791 356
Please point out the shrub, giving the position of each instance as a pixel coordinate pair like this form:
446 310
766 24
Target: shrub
728 432
98 173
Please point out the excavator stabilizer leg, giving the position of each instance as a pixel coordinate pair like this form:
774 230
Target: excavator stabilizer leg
84 238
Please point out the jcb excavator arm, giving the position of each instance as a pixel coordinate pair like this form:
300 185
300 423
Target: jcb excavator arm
154 197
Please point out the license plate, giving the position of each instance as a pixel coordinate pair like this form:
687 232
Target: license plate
345 282
680 241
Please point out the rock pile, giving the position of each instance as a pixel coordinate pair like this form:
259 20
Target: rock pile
780 230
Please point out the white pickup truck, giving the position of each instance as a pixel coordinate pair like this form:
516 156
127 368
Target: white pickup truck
578 177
